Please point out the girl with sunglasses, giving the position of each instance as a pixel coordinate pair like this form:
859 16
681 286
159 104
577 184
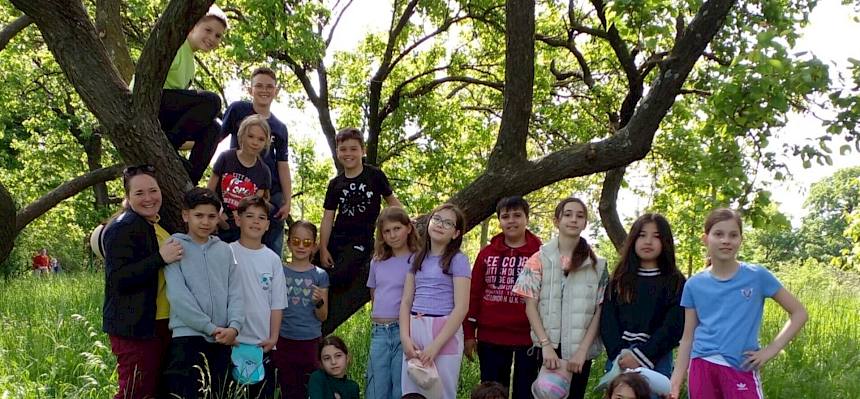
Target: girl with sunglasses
295 356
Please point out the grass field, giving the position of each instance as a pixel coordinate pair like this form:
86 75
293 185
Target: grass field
51 345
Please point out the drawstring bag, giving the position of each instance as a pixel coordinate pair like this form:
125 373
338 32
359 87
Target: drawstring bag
247 364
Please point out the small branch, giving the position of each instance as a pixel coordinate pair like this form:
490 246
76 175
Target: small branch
698 92
336 22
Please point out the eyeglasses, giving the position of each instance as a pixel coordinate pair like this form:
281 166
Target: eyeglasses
138 169
298 242
447 224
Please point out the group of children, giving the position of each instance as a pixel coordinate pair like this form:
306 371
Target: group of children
534 314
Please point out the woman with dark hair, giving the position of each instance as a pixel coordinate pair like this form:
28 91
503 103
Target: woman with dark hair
136 311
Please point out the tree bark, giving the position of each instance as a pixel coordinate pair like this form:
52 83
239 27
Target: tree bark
109 27
608 208
10 31
46 202
129 120
7 223
510 148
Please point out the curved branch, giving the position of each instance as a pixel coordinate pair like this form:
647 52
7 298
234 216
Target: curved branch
11 30
608 209
68 189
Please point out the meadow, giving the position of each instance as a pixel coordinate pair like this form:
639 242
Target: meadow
51 345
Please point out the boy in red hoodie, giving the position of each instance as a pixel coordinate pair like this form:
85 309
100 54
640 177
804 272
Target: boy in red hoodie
499 315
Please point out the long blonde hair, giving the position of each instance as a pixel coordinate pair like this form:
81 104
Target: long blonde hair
381 250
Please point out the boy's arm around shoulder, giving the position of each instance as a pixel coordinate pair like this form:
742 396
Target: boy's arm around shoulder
183 304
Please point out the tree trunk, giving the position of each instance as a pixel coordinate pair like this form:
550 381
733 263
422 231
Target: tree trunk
485 233
7 223
93 150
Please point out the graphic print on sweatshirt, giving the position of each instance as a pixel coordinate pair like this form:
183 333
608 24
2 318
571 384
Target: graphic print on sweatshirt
300 290
234 187
501 275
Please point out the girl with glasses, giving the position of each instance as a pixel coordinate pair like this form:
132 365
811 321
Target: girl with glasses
295 356
435 302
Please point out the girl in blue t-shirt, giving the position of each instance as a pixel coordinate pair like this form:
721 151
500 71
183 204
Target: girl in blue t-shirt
723 310
396 244
642 305
307 307
435 302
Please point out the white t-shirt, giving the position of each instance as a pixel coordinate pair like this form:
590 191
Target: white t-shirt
264 287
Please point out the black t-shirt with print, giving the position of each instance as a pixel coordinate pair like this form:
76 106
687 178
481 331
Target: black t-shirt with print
356 201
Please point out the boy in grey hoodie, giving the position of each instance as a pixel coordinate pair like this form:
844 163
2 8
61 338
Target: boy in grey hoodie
206 308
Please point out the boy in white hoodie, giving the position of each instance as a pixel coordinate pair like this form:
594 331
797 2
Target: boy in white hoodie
206 304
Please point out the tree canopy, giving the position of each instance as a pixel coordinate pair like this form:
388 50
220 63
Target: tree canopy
465 101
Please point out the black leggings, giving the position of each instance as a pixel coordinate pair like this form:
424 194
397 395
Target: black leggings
189 115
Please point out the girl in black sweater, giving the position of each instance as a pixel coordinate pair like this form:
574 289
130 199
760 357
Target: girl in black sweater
641 307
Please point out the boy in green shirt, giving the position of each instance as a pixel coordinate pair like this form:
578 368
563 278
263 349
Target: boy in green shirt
189 115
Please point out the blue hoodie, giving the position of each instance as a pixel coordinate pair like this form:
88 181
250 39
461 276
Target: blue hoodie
203 289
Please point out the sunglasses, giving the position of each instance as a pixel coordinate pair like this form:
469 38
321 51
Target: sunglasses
138 169
298 242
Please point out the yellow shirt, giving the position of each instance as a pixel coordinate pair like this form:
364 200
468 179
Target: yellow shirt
162 306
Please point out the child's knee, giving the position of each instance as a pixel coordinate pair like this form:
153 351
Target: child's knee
212 102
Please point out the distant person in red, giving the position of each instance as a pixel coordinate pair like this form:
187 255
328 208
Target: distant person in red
42 262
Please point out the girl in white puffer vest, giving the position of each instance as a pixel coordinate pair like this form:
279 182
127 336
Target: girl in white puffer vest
563 286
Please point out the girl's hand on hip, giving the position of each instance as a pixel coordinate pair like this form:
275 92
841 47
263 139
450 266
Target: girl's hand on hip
755 359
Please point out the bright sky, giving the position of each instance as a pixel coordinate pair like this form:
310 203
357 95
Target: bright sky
829 21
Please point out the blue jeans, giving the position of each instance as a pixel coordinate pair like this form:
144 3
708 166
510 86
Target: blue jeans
274 237
386 360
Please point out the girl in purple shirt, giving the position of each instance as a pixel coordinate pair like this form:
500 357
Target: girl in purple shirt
396 244
435 302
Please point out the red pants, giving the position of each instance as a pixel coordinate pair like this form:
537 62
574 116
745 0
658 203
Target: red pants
138 362
713 381
295 361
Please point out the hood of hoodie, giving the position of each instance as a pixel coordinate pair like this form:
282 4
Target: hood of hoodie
186 239
532 245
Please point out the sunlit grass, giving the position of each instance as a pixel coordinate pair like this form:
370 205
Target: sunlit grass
52 346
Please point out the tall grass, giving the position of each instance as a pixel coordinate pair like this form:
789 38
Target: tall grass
51 344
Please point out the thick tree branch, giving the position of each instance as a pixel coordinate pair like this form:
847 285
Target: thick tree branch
607 207
628 144
109 27
10 31
68 189
167 36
